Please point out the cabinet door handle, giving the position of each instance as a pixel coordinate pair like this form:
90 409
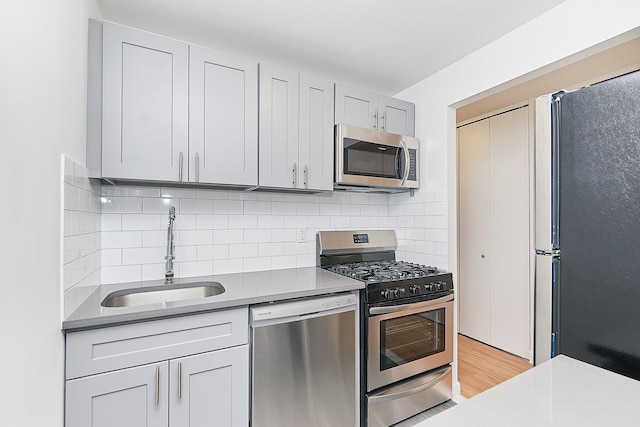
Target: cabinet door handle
295 175
197 167
375 120
157 385
180 167
306 176
179 380
383 127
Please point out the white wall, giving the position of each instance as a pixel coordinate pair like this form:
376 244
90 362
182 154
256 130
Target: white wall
42 114
573 30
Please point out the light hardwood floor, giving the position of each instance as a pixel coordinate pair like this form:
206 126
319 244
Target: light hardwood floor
481 367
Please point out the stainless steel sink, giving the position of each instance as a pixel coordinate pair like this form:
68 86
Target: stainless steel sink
162 293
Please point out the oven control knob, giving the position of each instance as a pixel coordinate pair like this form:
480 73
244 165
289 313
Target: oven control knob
397 292
414 289
429 287
385 293
440 286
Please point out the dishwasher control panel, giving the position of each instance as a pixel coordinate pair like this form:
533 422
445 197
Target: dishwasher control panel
301 308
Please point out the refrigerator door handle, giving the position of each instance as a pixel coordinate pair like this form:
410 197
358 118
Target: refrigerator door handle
552 252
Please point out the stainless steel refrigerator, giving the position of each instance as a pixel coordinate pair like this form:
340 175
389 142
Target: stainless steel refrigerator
587 302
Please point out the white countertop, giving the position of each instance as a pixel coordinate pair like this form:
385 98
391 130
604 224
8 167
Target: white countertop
240 289
562 392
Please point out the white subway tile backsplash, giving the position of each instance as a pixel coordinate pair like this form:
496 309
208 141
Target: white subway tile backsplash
228 236
243 221
111 222
184 253
257 235
284 208
225 266
243 250
256 264
121 204
196 237
123 235
182 222
131 256
338 222
270 249
157 238
295 248
280 262
231 207
159 205
272 221
153 271
283 235
121 239
196 206
307 260
111 257
195 268
119 274
257 207
308 209
210 252
142 222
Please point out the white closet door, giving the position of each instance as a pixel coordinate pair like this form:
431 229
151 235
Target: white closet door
474 283
510 248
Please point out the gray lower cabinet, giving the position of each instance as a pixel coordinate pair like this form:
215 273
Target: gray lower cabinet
187 371
212 389
359 107
124 398
296 130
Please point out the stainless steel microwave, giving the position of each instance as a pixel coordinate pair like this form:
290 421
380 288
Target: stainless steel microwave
373 159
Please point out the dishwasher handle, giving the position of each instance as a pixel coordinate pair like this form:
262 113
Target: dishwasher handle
275 313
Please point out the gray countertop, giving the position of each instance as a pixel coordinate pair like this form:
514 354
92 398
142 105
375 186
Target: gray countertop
241 289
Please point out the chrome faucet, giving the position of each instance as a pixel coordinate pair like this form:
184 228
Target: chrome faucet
168 274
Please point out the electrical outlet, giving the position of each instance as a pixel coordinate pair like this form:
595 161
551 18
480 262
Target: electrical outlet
302 235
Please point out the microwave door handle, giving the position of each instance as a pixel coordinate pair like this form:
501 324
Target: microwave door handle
407 159
397 163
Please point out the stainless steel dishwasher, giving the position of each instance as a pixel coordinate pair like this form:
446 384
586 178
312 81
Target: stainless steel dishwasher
304 363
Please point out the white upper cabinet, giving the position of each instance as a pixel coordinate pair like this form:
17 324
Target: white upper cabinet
145 110
396 116
172 112
223 118
296 130
278 127
316 134
366 109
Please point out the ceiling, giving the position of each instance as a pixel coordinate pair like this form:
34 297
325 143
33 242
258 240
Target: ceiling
381 45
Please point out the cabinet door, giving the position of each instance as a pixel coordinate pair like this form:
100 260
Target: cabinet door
510 218
396 116
211 389
316 140
134 397
223 118
474 284
356 107
278 156
144 116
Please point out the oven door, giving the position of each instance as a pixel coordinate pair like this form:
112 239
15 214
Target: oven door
408 339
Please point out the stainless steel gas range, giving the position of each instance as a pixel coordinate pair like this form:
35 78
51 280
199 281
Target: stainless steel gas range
406 324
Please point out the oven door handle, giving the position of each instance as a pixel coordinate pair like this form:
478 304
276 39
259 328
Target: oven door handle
405 393
409 307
